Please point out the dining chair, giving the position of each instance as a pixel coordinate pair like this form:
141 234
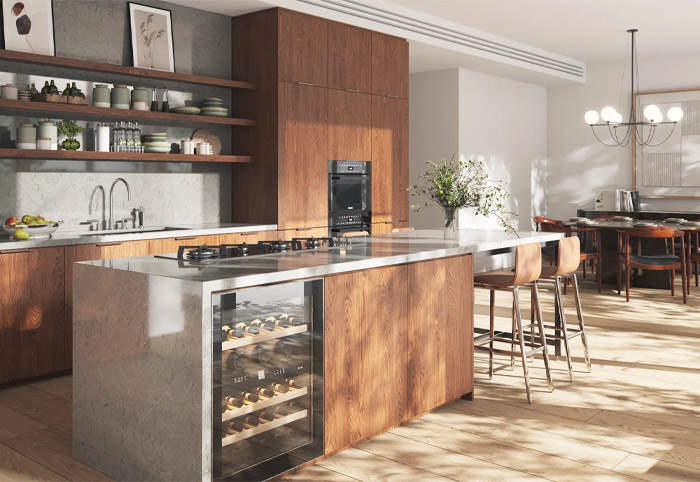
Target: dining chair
398 230
627 261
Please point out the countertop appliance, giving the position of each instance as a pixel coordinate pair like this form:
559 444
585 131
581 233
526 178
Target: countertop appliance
349 196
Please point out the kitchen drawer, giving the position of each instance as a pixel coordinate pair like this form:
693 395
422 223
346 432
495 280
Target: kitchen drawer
171 245
289 234
251 237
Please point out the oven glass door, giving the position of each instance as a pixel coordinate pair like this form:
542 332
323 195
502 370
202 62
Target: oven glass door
348 193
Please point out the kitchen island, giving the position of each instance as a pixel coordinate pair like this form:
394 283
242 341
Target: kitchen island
246 367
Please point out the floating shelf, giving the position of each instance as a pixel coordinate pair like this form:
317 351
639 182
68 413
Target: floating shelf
290 395
116 156
90 111
268 335
65 62
263 428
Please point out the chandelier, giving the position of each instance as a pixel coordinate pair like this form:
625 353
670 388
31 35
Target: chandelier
643 131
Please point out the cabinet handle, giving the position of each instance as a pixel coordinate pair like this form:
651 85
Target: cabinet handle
304 229
392 96
305 83
248 234
16 251
351 90
392 222
187 238
102 245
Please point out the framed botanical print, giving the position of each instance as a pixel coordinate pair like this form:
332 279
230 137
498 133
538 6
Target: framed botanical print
151 37
28 26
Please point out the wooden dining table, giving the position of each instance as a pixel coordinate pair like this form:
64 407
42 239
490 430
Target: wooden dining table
608 245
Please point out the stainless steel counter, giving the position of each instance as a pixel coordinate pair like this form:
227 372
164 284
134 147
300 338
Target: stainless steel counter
151 232
363 253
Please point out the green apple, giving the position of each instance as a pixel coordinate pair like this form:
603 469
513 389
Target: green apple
21 234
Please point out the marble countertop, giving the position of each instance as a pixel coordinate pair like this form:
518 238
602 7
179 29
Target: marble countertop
363 252
151 232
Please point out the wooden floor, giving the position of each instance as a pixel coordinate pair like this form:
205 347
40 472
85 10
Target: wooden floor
636 416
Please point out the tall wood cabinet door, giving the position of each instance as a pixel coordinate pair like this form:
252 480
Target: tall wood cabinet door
303 48
33 328
440 332
389 66
349 58
349 125
389 159
303 156
365 354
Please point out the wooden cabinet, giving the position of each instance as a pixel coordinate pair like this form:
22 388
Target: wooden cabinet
303 156
365 354
440 332
289 234
384 228
349 58
349 126
171 245
303 48
250 238
389 159
389 66
34 334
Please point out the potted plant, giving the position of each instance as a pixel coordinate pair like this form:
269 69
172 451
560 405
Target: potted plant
456 184
70 129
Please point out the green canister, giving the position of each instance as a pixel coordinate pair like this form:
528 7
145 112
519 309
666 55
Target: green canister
100 96
120 97
48 129
26 136
139 94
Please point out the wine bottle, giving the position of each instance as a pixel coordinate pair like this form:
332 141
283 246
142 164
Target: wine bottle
281 411
234 426
257 353
280 388
67 90
267 415
52 88
296 382
46 89
250 398
234 360
74 90
248 329
283 348
232 403
251 421
262 326
282 323
266 392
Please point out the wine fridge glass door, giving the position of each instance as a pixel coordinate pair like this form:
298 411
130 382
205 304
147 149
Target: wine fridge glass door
267 379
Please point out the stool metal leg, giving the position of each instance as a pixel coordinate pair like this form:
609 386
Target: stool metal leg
584 340
543 338
523 352
492 307
564 333
512 336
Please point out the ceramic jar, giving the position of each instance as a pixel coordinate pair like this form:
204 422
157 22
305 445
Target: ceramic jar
26 136
139 95
120 98
186 146
48 129
44 144
9 91
100 96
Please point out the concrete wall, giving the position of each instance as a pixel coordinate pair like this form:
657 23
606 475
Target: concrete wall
499 121
579 166
169 192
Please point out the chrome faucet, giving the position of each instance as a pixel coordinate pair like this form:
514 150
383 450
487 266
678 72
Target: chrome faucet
103 222
111 199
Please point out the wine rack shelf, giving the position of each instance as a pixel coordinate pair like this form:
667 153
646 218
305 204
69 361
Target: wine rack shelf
269 335
290 395
263 428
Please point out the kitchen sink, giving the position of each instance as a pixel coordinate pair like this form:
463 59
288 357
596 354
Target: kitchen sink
133 231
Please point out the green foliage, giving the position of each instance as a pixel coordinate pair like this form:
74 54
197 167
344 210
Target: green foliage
69 128
454 184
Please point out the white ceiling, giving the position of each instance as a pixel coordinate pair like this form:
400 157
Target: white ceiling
587 30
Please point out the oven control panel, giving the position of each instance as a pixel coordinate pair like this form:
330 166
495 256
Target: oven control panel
349 167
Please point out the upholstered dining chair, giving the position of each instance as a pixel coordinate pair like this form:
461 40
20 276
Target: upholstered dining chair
627 260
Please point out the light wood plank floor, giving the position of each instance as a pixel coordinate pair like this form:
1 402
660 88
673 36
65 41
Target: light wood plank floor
635 417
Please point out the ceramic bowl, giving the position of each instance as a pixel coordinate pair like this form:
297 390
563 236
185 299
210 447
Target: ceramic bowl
34 230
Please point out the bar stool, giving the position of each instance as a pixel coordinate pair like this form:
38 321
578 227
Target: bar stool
568 258
528 266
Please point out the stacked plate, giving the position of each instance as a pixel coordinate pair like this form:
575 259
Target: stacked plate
643 224
691 223
186 109
24 95
214 107
674 220
157 142
623 219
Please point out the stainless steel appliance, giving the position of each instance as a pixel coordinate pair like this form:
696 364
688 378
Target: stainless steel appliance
349 196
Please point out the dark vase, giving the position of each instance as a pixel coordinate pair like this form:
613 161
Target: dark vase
70 144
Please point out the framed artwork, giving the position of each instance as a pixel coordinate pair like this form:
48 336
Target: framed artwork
28 26
670 169
151 37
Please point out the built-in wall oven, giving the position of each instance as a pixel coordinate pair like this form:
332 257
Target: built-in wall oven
349 196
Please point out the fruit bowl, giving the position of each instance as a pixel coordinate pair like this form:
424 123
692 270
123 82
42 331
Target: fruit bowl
34 230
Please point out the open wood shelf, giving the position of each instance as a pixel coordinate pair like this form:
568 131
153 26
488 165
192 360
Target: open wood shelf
268 402
116 156
78 64
90 111
264 336
264 427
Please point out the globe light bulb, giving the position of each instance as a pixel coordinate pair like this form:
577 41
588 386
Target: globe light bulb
674 114
608 113
652 113
591 117
617 118
658 117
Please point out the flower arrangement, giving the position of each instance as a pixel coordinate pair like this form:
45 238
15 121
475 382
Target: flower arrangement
455 184
70 129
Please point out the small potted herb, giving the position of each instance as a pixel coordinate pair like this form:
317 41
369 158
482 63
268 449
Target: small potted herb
70 129
457 184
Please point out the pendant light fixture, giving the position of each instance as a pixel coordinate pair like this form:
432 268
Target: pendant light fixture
643 131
